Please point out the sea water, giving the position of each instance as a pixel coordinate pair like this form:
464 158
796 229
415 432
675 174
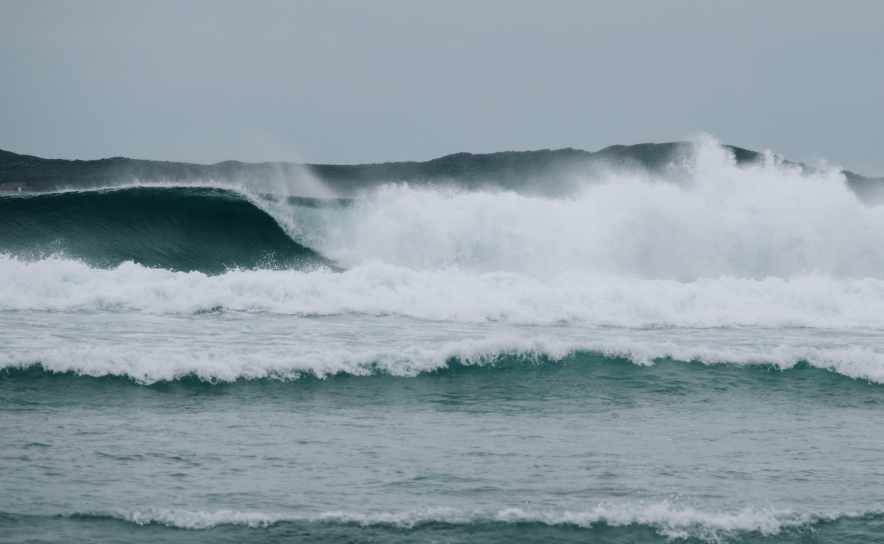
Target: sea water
644 360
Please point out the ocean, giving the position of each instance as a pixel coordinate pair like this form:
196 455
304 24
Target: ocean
692 359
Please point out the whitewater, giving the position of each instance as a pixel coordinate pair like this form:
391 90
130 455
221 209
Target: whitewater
691 355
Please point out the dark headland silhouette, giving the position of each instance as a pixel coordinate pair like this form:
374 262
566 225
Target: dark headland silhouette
545 171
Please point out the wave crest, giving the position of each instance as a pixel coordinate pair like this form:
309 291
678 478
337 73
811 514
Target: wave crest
290 362
666 519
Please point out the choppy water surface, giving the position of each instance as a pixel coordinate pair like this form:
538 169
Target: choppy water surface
644 361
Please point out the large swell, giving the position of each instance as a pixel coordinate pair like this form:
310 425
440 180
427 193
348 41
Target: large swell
759 245
722 220
756 221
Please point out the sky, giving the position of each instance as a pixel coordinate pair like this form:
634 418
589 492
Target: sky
355 82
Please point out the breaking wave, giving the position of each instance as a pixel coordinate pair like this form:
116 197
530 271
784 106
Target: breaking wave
285 361
765 219
665 519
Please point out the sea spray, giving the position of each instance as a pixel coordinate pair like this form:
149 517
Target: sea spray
753 221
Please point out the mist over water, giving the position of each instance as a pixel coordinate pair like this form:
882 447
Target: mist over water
692 354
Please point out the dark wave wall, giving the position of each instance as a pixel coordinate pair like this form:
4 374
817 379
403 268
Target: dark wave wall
177 228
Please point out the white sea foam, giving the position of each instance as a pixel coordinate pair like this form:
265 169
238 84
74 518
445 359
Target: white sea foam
754 221
666 519
452 294
197 520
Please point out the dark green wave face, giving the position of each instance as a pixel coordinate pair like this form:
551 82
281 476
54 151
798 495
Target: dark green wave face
178 228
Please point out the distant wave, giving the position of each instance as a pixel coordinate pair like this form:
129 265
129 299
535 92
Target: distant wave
175 228
665 519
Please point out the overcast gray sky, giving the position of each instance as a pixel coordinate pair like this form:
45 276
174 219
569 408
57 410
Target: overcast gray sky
348 82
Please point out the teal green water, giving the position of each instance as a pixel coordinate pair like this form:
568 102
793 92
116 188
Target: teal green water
582 449
640 362
176 228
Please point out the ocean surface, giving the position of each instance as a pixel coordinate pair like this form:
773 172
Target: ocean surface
698 359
